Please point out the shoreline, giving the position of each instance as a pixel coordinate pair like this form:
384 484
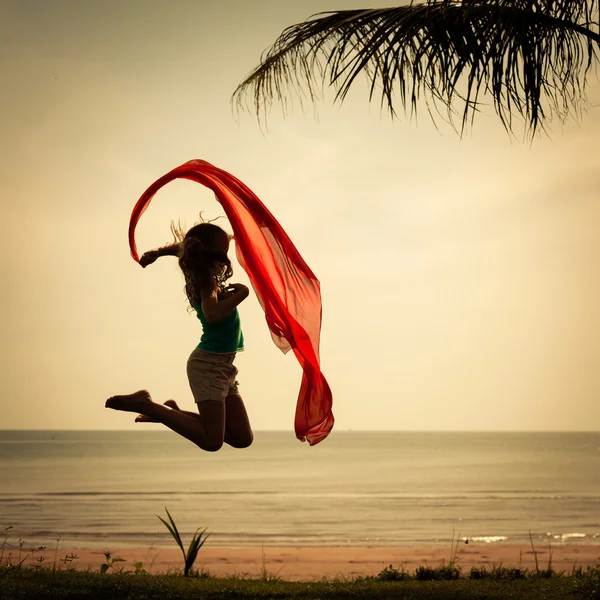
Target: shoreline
313 563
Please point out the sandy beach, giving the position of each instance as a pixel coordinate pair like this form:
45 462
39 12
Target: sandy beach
305 564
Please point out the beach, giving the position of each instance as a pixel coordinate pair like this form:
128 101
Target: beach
349 507
313 563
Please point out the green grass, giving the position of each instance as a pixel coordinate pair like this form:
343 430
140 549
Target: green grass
41 584
25 575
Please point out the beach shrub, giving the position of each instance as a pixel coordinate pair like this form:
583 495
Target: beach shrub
392 574
110 563
587 584
498 572
443 573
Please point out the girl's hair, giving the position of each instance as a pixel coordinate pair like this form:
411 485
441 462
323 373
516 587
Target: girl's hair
200 261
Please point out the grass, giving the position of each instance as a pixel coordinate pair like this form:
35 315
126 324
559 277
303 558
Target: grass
20 579
42 584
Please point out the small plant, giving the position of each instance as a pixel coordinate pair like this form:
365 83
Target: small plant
29 554
498 572
68 559
442 573
392 574
197 542
537 566
4 544
445 571
55 553
20 559
587 584
139 569
479 573
454 547
548 571
265 575
110 563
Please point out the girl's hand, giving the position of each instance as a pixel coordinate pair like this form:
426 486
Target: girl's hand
234 288
148 258
217 306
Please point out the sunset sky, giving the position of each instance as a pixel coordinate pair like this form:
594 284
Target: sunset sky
460 278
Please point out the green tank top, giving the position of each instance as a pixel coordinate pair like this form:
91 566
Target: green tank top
223 336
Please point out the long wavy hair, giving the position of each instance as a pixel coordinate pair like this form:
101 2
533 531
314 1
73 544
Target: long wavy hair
200 261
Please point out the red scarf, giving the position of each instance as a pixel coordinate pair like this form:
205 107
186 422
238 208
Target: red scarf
285 286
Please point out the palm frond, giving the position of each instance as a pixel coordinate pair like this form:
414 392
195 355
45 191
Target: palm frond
531 56
172 527
195 545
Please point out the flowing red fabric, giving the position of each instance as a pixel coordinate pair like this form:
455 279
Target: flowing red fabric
286 288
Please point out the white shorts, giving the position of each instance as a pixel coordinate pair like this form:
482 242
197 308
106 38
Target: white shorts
212 375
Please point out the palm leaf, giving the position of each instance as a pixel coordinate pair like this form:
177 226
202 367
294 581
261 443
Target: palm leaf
197 542
173 530
531 56
195 545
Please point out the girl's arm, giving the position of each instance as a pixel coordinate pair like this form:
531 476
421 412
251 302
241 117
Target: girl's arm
215 310
169 250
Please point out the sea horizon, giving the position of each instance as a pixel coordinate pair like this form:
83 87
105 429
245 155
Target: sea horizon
335 431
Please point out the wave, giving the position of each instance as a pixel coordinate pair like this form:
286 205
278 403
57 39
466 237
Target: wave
568 536
251 539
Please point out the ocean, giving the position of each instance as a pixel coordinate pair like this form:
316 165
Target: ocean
102 489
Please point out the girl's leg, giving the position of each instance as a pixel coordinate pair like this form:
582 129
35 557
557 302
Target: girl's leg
171 404
238 432
207 430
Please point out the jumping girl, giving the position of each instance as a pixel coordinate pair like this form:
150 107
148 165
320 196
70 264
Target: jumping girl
221 416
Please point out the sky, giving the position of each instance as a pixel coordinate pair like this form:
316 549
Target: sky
459 277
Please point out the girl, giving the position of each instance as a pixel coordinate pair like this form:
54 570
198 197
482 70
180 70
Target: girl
222 415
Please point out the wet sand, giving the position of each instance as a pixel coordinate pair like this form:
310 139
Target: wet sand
310 563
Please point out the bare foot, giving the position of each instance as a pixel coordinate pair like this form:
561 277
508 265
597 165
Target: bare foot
146 419
138 402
